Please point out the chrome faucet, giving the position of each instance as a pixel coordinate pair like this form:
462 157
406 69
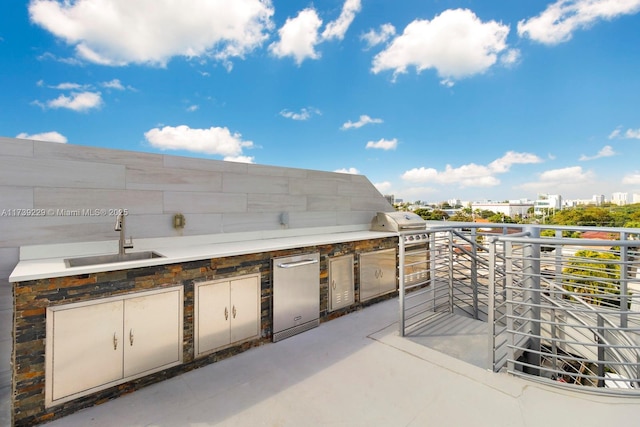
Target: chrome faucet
120 226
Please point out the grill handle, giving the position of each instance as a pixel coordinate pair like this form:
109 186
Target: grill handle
413 227
298 263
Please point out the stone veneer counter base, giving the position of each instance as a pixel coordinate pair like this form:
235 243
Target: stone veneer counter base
32 297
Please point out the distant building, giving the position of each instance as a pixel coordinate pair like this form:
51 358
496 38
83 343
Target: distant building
454 202
595 200
391 199
636 198
620 198
511 208
546 203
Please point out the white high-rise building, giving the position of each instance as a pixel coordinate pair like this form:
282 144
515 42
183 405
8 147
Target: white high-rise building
546 203
620 198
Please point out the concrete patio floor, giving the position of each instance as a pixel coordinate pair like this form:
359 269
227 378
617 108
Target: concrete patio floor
353 371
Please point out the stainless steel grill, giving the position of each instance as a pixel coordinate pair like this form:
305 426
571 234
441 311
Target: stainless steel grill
397 222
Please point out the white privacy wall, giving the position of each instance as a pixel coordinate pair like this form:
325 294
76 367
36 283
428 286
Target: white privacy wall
214 196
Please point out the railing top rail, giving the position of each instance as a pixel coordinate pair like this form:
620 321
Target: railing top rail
446 225
566 241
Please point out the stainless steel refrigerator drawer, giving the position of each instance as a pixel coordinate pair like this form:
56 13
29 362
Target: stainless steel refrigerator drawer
296 294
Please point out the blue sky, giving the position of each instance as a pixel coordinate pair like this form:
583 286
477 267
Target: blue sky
430 99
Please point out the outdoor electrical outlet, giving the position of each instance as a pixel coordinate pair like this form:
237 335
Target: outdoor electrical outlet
178 221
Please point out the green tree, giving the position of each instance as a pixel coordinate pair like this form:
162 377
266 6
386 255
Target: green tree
445 205
501 218
484 213
593 274
431 214
461 216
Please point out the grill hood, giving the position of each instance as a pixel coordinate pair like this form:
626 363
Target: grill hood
397 221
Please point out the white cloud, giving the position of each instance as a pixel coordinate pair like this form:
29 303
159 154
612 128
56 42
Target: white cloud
560 19
192 108
559 175
119 32
352 171
383 144
570 179
240 159
67 86
45 136
113 84
298 37
504 163
215 140
363 120
374 38
629 134
338 28
510 57
421 174
632 178
632 134
455 43
304 114
78 101
447 82
471 175
68 61
383 187
606 151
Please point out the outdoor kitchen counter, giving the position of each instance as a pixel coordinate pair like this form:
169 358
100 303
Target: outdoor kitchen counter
48 261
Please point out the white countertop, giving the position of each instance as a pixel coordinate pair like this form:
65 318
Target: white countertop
34 263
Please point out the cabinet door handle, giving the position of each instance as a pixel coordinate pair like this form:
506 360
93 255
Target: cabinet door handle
131 337
115 341
226 314
233 310
333 284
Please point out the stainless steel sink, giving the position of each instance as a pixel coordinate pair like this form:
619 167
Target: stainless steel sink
111 258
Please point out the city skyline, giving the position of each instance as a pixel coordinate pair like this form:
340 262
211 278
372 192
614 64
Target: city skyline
484 100
619 198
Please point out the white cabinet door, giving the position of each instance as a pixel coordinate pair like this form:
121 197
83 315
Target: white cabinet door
212 316
245 308
86 348
340 282
152 331
226 311
387 277
96 344
377 273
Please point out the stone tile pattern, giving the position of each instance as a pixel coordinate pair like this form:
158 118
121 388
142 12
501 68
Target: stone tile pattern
214 196
31 298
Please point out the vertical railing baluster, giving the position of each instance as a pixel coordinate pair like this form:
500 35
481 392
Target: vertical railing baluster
491 305
401 280
451 273
624 280
531 284
474 271
510 306
433 275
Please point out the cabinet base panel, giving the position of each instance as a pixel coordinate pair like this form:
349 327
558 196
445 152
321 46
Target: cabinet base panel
279 336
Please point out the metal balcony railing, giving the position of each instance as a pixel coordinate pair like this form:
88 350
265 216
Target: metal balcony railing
561 310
